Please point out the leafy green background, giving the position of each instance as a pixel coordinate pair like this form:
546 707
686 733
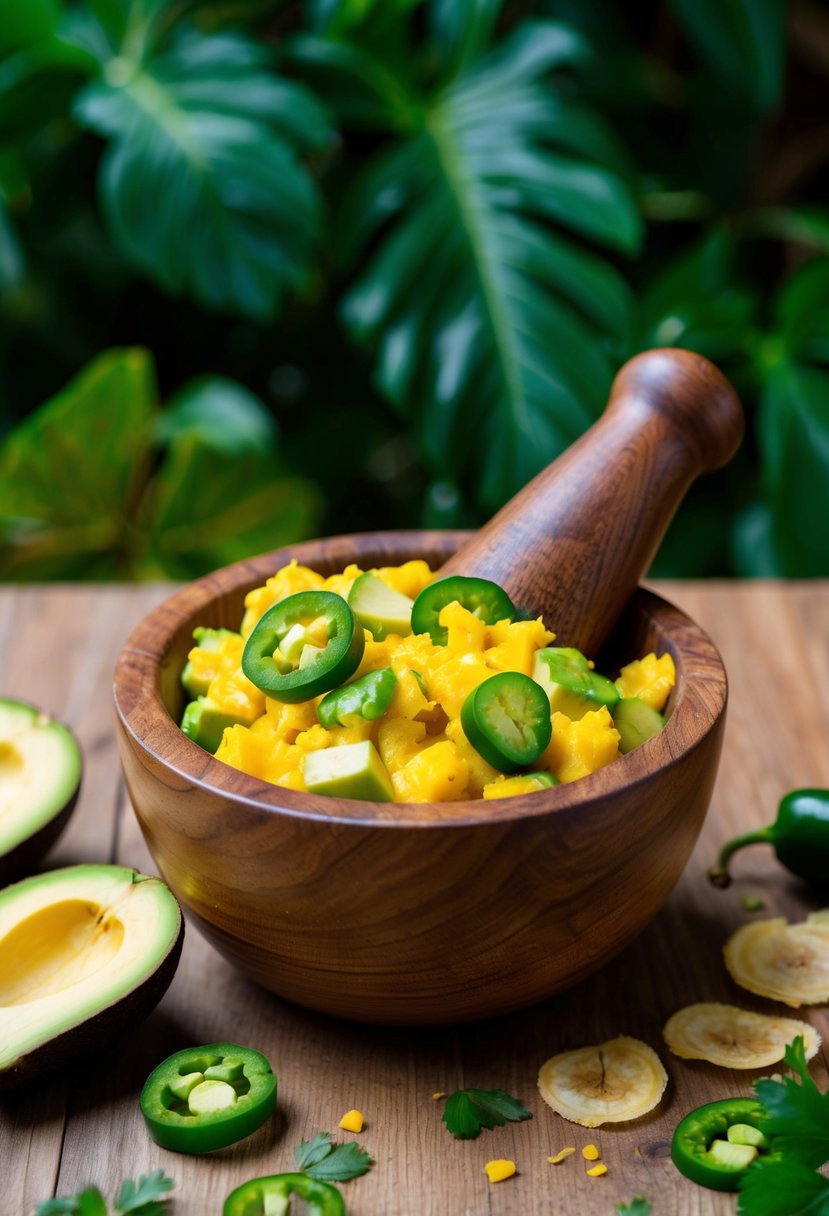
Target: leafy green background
273 270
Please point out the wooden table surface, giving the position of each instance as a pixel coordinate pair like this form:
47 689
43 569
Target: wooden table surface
58 647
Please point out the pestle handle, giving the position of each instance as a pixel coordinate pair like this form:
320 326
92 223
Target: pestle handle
575 542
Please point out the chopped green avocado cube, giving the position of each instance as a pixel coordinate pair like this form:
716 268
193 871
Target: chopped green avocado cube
204 723
352 770
379 608
196 684
636 722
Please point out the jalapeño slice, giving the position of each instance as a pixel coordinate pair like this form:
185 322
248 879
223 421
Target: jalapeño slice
507 720
304 645
486 600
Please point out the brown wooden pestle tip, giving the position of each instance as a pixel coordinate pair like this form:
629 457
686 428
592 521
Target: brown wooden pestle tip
576 541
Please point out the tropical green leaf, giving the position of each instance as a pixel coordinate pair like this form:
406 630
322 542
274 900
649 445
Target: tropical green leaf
803 225
26 21
336 17
802 312
205 509
493 327
793 435
221 414
461 30
699 302
742 40
37 84
69 474
12 264
202 183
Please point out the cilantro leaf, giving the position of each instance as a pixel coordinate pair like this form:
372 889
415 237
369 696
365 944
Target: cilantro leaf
468 1110
797 1112
328 1162
309 1152
782 1187
344 1162
147 1198
638 1206
86 1202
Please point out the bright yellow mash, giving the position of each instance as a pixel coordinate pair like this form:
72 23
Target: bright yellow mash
419 738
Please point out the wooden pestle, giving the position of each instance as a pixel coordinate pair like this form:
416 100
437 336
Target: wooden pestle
575 542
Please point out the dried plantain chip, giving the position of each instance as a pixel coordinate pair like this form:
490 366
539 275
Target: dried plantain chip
610 1083
789 963
734 1038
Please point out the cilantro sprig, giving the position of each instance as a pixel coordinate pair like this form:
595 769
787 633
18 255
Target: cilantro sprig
469 1110
797 1116
638 1206
147 1197
329 1162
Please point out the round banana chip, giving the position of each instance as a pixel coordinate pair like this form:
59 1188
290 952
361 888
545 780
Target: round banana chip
789 963
610 1083
734 1038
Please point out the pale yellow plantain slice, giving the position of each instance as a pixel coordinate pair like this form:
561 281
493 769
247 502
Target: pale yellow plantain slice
610 1083
734 1038
789 963
819 918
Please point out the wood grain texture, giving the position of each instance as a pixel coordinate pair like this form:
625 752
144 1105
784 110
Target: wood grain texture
408 914
576 541
85 1125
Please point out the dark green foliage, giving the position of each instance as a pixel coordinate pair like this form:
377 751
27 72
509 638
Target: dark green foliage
396 248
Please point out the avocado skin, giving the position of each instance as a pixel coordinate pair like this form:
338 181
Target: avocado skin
102 1028
20 861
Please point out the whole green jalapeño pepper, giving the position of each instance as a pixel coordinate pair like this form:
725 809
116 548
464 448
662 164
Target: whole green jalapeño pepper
303 646
799 836
715 1144
484 599
204 1098
507 720
367 698
271 1196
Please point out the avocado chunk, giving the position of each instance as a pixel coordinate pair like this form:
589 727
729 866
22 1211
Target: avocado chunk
196 681
573 687
636 722
379 608
204 722
352 770
40 776
85 952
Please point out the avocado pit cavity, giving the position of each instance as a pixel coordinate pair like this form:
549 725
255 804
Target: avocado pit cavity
84 952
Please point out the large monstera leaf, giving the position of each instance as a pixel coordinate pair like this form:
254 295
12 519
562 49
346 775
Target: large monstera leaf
203 182
494 324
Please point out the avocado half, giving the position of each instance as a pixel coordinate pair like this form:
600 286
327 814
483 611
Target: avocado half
40 776
85 952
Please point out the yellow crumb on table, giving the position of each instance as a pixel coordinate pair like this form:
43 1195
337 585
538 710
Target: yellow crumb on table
352 1121
590 1152
497 1171
561 1155
596 1171
439 1093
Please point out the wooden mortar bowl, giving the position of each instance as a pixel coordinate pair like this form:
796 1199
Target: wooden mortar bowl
414 913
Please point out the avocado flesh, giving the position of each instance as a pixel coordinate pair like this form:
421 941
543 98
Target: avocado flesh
379 608
81 950
40 774
350 770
